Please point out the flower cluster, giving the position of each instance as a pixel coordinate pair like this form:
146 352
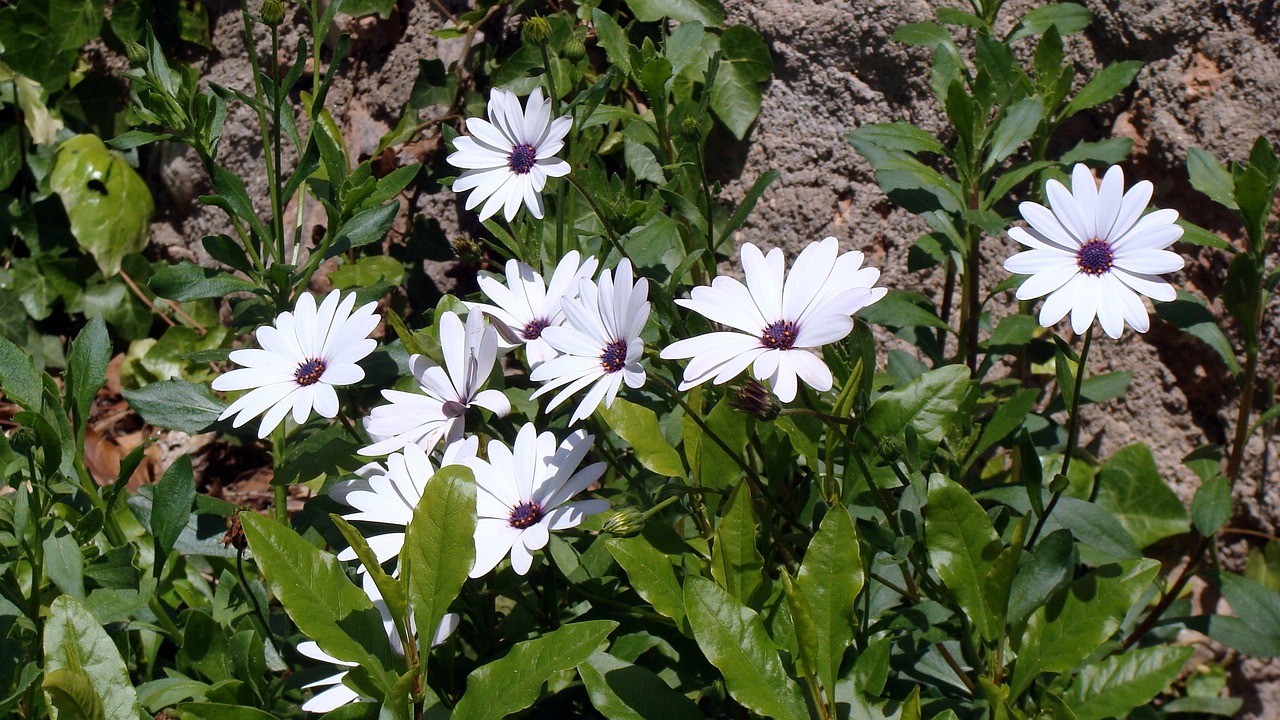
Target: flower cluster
1091 253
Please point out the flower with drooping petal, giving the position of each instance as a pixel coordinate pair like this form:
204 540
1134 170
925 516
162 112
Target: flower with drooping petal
521 493
303 357
526 305
779 320
336 693
387 492
1095 252
599 343
438 412
508 158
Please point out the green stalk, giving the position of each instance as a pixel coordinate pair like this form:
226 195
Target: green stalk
1073 436
263 127
609 232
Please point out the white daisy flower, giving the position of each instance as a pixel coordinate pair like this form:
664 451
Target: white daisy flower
337 694
509 158
779 319
439 412
521 494
600 342
388 493
304 356
526 305
1095 252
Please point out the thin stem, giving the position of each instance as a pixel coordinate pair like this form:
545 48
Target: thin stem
609 233
1073 437
263 126
277 195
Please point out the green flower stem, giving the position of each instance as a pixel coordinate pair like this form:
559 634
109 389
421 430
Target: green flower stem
1073 437
609 233
277 196
710 262
264 127
280 493
754 480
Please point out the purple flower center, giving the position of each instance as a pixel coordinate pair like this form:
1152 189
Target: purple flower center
522 158
309 372
780 335
525 515
533 330
1095 257
614 356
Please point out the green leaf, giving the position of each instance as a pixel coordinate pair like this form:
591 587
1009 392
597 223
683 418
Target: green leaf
1015 128
357 8
108 204
1131 489
736 562
1069 18
1210 178
19 379
707 12
87 369
513 682
75 642
830 578
1259 605
72 695
1240 295
220 711
900 309
745 64
171 507
928 405
188 281
745 207
1111 151
638 425
1007 418
1104 85
1189 314
1118 684
613 39
1212 506
734 639
650 573
898 136
439 547
176 404
623 691
64 564
803 625
963 547
1103 537
365 227
316 593
1068 629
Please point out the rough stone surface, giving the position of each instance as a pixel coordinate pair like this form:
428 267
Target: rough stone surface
1212 80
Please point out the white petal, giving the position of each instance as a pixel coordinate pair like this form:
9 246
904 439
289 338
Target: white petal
1046 281
1152 286
494 539
1085 307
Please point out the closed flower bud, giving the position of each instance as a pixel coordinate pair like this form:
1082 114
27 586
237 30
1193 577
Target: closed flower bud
576 48
626 521
24 440
754 399
137 54
690 128
273 12
537 31
889 448
467 249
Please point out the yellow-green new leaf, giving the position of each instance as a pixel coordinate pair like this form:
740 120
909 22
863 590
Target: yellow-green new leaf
109 206
74 642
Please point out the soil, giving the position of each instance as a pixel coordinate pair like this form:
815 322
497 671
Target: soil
1211 80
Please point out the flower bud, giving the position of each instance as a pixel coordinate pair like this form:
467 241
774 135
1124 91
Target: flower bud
690 128
466 249
576 48
754 399
136 53
626 521
24 440
537 31
889 448
273 12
